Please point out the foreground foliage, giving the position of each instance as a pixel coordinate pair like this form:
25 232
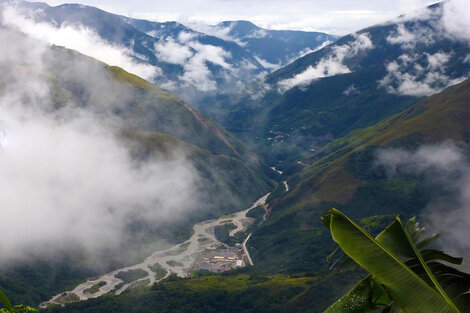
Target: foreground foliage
9 308
405 275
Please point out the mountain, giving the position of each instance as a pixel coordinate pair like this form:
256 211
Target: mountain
273 48
62 87
293 240
173 55
392 167
192 64
352 83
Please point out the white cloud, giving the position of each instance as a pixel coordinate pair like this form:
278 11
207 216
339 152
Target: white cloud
73 183
330 65
351 90
308 50
217 31
456 19
266 64
170 51
81 39
443 156
185 37
259 33
437 60
408 39
418 80
67 180
195 58
446 167
197 73
213 54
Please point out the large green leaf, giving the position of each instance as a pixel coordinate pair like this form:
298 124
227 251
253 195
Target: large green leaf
357 300
410 235
5 301
406 288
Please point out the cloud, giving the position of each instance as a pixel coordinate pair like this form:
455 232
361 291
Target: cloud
81 39
444 156
168 50
445 166
408 39
450 20
203 64
68 180
309 50
266 64
196 71
258 33
216 31
331 64
351 90
456 19
418 75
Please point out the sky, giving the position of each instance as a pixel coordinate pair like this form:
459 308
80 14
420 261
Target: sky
337 17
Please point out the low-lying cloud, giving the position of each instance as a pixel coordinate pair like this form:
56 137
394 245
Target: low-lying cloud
424 28
81 39
68 181
418 75
331 64
456 19
194 57
445 165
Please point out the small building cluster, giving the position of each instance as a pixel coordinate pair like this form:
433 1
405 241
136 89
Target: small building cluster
222 260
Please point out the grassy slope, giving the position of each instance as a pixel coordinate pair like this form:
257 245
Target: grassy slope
222 294
342 175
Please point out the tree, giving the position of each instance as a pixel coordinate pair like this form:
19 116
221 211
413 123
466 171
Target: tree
405 275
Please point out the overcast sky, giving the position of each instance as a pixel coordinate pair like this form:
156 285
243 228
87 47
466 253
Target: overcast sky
332 16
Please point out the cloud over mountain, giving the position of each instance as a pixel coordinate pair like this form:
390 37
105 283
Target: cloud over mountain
79 38
67 179
330 65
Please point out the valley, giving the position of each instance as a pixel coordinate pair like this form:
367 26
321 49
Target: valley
181 259
234 161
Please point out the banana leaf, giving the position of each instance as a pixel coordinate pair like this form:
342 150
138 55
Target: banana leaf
410 292
366 296
5 301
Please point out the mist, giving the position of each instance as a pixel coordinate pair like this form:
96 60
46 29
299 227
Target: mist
446 166
69 182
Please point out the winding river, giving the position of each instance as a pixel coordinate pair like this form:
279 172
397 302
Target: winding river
177 259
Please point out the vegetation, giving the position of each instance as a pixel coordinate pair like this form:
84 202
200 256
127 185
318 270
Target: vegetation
159 271
131 275
344 174
95 288
222 234
155 123
404 274
213 293
31 283
174 263
7 307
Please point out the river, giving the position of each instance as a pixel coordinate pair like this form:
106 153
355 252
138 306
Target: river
177 259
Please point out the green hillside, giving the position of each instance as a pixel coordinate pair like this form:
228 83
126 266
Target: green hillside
305 105
225 293
293 241
155 124
344 175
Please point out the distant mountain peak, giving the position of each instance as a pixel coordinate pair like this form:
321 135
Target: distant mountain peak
240 27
